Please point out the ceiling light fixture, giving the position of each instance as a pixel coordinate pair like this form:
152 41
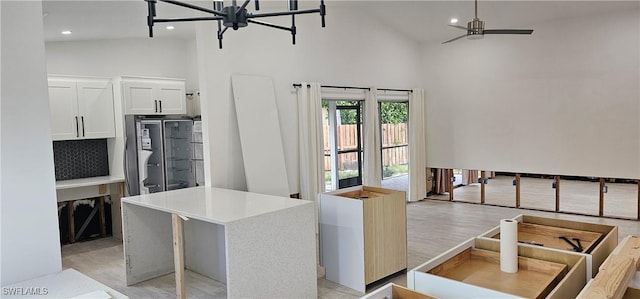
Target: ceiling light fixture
453 21
170 27
66 32
234 16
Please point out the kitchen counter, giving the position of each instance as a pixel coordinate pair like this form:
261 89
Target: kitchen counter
68 184
214 205
260 246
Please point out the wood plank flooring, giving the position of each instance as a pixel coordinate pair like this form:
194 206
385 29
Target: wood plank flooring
433 227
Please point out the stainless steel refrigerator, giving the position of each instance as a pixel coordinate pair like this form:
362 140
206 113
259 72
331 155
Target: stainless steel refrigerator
158 154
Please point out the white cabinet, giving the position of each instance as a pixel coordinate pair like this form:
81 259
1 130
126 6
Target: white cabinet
81 108
154 96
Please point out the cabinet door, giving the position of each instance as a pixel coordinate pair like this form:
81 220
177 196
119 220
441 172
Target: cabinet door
140 97
172 98
64 110
95 109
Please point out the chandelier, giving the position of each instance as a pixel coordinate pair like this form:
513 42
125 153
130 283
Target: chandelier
234 16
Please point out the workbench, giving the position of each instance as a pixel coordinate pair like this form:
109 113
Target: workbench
260 246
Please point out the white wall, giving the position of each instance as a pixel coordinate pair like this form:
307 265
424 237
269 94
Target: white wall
565 100
153 57
30 238
351 50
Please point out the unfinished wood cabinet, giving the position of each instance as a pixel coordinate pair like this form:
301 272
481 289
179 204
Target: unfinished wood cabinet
472 270
597 241
363 235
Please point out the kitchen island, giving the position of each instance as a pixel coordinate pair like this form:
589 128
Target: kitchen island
258 245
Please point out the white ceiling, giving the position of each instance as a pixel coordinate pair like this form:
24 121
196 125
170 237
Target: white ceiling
419 20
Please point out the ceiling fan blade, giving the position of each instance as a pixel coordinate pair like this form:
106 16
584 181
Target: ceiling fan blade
455 39
508 31
459 27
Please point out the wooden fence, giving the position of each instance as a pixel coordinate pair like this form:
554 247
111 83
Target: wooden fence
392 135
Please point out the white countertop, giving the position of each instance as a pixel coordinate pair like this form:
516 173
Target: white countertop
65 284
214 205
68 184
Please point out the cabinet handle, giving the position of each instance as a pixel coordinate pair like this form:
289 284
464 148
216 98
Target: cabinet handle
160 106
77 129
82 118
155 102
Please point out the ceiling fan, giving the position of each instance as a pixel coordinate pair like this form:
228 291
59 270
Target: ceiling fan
475 28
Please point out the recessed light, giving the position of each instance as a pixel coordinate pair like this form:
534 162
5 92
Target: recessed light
454 21
170 27
66 32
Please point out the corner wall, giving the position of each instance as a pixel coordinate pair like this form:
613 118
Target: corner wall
565 100
352 50
29 224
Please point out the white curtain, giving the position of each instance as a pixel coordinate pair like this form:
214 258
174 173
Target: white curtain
417 146
310 143
372 172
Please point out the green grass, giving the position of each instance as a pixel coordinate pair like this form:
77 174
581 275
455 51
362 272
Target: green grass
388 171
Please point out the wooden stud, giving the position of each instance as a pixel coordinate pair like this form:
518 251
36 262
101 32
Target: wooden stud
517 190
482 195
121 193
102 189
178 255
72 226
601 204
103 222
557 178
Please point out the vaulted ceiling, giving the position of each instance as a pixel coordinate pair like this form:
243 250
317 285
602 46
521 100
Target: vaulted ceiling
418 20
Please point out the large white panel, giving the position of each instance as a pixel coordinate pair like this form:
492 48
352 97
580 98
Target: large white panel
259 127
564 100
28 219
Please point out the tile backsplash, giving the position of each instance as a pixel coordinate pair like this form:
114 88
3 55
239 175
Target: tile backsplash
75 159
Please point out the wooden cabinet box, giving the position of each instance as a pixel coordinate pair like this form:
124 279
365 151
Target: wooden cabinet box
472 270
597 240
394 291
363 235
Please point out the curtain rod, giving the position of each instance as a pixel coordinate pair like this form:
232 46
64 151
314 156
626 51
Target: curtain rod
392 89
333 86
354 87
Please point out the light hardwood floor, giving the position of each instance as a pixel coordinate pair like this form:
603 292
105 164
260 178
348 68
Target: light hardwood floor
433 227
581 197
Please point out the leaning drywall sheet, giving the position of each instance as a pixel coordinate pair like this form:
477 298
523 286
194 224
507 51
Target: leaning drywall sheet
259 127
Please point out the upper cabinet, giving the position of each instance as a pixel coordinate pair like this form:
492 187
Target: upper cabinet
154 96
81 108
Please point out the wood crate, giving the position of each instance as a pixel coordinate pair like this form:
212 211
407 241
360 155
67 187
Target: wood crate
472 269
597 240
619 275
363 234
